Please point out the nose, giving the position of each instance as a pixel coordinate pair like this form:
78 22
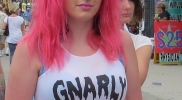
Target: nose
126 4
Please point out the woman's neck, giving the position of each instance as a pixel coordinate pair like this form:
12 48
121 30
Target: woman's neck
13 15
122 26
77 42
79 30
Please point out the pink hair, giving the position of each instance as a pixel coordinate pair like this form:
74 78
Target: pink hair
49 28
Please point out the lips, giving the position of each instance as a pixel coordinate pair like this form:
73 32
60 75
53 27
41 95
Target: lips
126 14
85 6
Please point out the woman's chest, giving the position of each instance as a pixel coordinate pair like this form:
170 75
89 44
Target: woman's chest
84 80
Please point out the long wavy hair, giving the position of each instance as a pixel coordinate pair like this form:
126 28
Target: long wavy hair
139 10
48 28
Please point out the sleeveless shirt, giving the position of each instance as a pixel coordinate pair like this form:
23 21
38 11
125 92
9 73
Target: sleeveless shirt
83 78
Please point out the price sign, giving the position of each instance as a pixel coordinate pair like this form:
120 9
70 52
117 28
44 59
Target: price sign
168 36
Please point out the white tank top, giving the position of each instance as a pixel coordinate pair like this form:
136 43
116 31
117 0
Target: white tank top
83 78
138 40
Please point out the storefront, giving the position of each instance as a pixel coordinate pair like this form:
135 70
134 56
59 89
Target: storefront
168 34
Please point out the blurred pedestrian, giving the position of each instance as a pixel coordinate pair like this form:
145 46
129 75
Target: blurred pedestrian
27 17
2 37
16 29
163 14
6 49
2 83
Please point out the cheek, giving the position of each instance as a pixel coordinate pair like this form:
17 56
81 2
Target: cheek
132 8
121 6
124 19
72 11
69 5
98 4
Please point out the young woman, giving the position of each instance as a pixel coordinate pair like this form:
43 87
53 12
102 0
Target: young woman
6 49
142 44
72 52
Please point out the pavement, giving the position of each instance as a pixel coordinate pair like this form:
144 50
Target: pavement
162 83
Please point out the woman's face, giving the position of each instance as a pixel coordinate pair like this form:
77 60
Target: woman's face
159 9
127 8
82 10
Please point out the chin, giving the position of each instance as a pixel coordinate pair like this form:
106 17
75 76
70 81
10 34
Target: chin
125 20
83 19
80 17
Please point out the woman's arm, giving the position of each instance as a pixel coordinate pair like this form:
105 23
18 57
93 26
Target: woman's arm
23 28
143 57
4 25
143 47
165 18
23 74
132 73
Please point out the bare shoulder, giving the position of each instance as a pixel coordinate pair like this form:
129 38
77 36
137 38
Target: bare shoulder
22 47
128 48
23 56
22 50
23 74
127 40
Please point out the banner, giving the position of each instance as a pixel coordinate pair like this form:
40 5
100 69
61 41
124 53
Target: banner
175 9
168 36
169 57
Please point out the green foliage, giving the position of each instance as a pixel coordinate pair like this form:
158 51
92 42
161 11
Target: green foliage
174 43
165 39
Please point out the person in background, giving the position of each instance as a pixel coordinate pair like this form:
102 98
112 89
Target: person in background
6 11
29 5
6 49
20 12
16 29
134 29
142 44
2 37
73 52
2 83
15 1
2 80
27 17
3 4
163 14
